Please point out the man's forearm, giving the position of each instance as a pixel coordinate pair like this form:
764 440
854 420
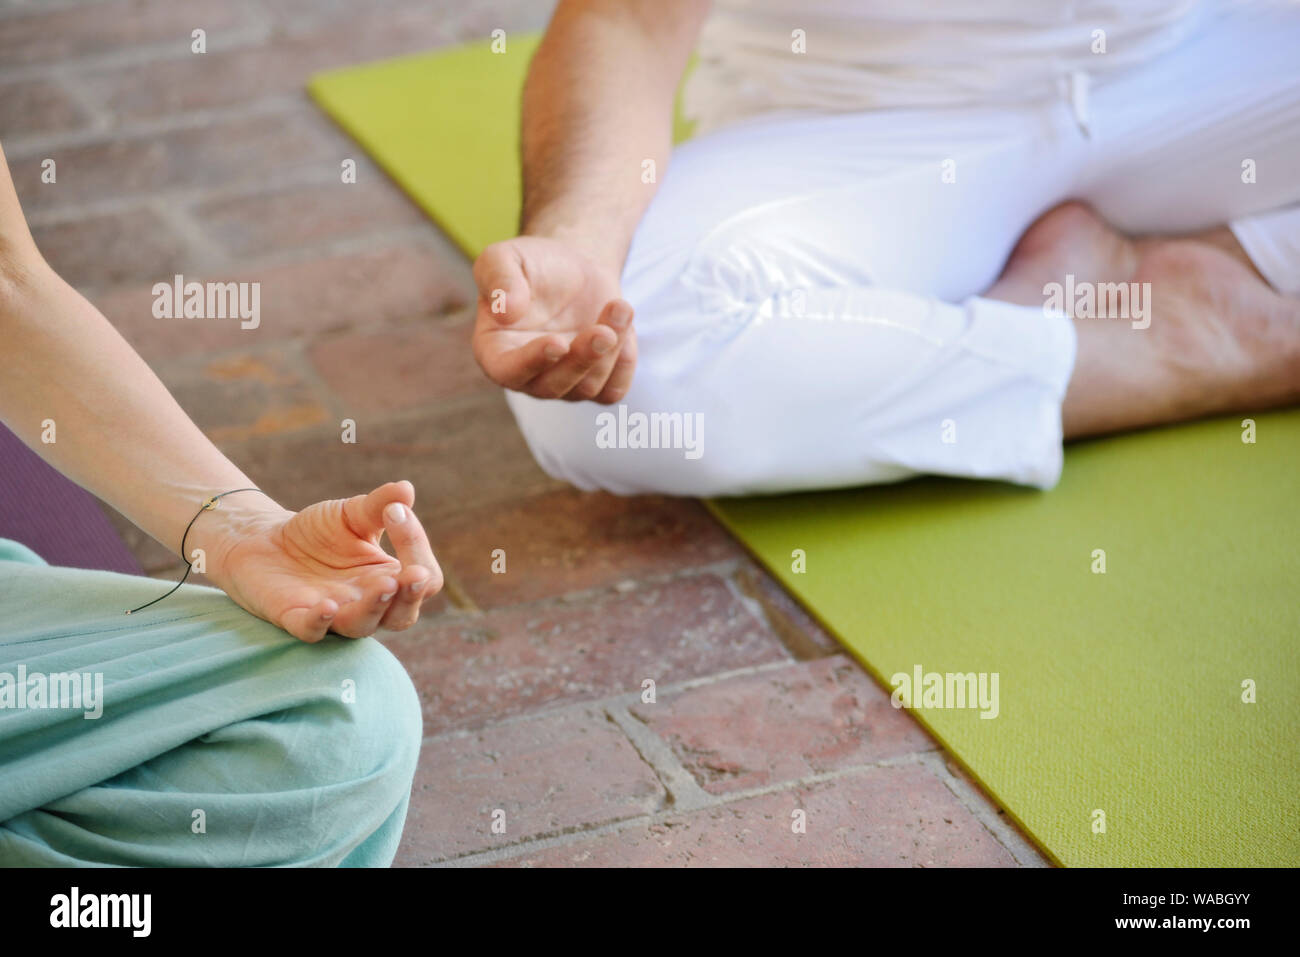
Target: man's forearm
597 105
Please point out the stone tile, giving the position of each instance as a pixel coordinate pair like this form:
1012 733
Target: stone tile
93 29
245 395
28 107
477 20
298 299
459 20
805 638
887 817
509 662
784 725
247 226
420 364
135 245
463 456
545 775
288 146
282 65
571 540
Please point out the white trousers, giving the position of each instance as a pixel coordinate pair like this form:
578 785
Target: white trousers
807 286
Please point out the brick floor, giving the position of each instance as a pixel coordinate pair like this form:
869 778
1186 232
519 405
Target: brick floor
537 711
886 817
473 669
782 725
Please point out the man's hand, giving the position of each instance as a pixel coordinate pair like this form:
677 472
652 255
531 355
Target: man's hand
550 321
321 569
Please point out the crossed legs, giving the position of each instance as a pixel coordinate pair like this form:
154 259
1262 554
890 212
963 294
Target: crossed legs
1220 338
838 297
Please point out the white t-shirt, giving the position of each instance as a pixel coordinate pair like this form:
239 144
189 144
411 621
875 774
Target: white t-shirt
874 54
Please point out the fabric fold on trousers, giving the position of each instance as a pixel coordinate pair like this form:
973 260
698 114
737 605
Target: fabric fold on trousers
1272 241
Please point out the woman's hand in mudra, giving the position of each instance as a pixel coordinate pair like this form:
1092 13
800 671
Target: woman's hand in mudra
321 570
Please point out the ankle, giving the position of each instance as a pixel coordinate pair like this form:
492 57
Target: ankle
1221 238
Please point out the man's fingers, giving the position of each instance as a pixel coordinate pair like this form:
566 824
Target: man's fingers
515 368
592 355
365 513
620 378
360 618
586 350
502 283
617 315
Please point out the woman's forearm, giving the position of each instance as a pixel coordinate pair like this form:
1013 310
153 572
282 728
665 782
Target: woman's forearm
77 393
115 430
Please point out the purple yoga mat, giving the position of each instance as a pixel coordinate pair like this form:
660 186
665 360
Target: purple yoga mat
58 520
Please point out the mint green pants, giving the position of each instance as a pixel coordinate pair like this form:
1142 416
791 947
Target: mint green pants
222 740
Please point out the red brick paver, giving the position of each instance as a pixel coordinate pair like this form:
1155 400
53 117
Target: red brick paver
473 669
782 725
528 778
570 541
889 817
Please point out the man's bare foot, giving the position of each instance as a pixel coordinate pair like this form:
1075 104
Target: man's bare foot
1069 238
1219 339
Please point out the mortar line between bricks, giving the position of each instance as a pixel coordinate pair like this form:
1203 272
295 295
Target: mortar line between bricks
424 235
293 355
214 257
798 643
753 606
275 180
465 604
252 190
272 181
465 403
196 240
17 9
684 792
170 369
238 38
590 595
575 834
198 119
602 705
218 263
984 810
87 101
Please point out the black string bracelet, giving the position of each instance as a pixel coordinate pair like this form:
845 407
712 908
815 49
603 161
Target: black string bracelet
208 505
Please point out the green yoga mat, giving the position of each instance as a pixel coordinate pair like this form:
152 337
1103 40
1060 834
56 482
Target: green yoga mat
1122 694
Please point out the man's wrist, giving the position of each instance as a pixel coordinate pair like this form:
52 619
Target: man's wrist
603 246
